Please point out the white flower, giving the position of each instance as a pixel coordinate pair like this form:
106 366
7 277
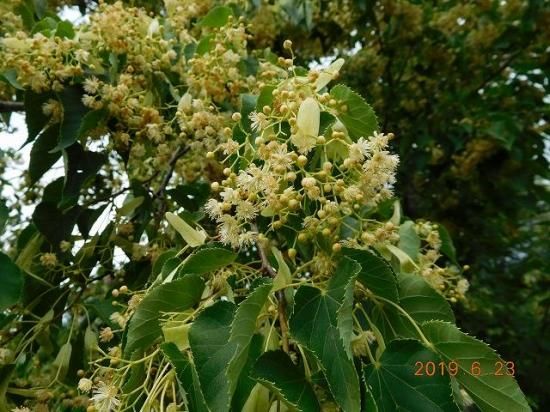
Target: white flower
307 123
104 398
213 208
245 210
462 286
229 230
259 121
85 385
359 150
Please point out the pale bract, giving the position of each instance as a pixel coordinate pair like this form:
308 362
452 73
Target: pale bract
307 124
328 74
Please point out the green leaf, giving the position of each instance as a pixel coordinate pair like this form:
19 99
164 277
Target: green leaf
284 277
10 77
4 215
447 246
35 118
144 326
41 160
81 166
130 205
91 120
207 260
248 105
65 29
54 224
73 112
217 17
190 196
504 128
317 325
421 301
204 45
45 26
395 387
275 370
490 392
406 263
243 328
87 218
265 98
359 117
376 275
409 242
212 353
245 384
220 341
187 376
11 279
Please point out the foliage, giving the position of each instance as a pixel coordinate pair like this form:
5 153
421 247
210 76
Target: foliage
224 234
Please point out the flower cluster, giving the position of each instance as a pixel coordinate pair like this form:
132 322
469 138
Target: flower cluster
300 175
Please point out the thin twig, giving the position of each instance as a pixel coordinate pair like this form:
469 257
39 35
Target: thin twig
9 106
171 166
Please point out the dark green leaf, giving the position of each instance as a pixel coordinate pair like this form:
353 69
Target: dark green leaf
80 166
87 218
41 159
91 120
276 371
35 118
359 118
4 215
395 386
191 196
316 324
144 326
490 392
73 112
54 224
187 376
11 279
409 242
447 246
421 301
212 352
207 260
376 275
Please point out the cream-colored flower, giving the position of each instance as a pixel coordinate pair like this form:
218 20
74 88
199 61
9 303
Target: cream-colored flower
106 334
259 121
85 385
104 398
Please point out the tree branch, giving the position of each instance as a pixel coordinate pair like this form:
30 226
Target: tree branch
9 106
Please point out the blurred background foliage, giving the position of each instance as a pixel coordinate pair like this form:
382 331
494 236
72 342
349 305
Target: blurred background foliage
464 86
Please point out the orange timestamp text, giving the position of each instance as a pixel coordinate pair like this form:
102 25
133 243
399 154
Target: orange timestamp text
452 368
